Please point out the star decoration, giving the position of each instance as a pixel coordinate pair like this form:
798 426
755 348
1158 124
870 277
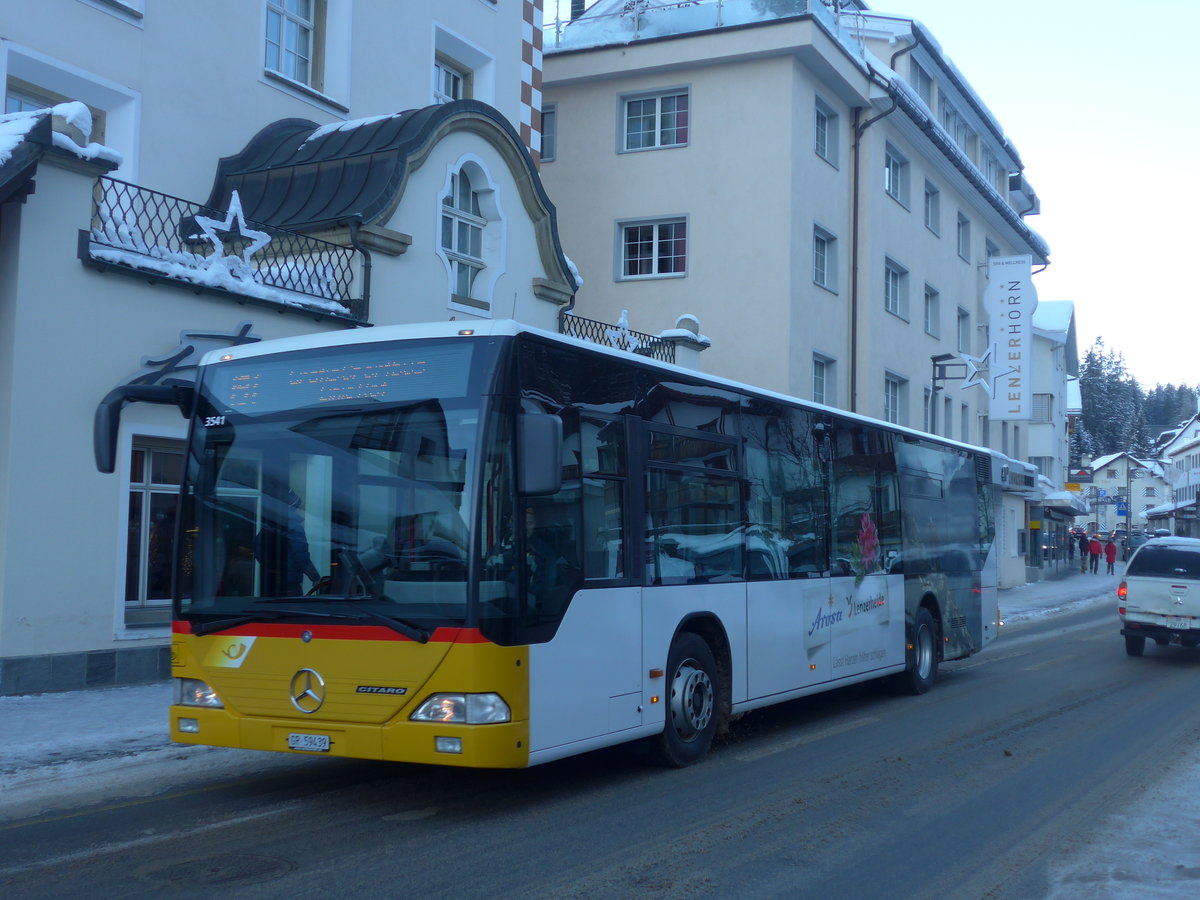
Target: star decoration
621 337
979 371
244 241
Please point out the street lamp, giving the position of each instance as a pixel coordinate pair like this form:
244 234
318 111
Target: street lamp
1130 476
941 366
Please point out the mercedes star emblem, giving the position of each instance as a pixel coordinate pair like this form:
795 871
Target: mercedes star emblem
307 691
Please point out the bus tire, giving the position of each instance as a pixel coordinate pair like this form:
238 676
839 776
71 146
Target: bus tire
921 673
692 702
1135 645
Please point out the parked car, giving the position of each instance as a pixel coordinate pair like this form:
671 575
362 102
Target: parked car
1132 543
1159 597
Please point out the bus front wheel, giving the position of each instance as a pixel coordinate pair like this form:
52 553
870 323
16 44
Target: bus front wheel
691 712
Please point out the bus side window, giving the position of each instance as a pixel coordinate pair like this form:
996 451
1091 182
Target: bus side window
787 534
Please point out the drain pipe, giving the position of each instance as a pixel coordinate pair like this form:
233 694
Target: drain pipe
366 255
856 192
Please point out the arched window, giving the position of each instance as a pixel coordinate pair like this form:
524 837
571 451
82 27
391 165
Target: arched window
462 234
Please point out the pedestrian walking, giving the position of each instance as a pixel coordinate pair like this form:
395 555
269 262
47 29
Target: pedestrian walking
1095 548
1110 555
1083 552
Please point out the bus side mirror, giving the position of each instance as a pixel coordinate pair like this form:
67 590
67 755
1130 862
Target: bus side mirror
539 443
108 415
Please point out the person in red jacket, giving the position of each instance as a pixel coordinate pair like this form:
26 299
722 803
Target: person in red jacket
1110 554
1094 551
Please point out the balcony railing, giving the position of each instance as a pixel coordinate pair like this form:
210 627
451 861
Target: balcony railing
619 336
155 234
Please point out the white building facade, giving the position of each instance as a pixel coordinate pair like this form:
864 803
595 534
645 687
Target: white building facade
333 141
833 234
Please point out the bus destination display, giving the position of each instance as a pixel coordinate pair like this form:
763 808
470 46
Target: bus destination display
294 381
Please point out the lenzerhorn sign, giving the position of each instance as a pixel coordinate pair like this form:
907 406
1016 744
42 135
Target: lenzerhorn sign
1009 301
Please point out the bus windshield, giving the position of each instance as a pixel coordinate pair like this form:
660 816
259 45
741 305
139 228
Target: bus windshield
326 489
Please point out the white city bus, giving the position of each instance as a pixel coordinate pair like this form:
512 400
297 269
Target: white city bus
496 546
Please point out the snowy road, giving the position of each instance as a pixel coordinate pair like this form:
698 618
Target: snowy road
106 748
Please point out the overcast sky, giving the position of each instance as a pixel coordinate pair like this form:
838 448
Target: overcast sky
1099 98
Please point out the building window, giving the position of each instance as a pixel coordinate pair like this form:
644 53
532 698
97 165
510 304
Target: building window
462 235
927 426
921 83
933 312
947 416
964 237
933 208
893 399
824 388
964 331
1043 407
824 258
549 133
653 249
1150 491
826 142
895 174
293 49
895 288
655 120
154 476
450 81
22 96
16 101
964 424
1045 465
961 133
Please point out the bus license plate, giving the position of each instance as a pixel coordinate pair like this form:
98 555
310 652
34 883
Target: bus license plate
318 743
1182 623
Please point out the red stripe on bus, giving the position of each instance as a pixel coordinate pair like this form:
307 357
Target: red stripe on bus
441 635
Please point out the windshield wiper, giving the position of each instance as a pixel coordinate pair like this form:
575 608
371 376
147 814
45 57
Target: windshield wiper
267 614
408 629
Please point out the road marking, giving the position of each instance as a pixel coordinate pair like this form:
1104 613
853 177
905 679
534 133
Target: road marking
807 738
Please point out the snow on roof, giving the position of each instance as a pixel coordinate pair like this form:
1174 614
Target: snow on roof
15 126
1054 315
609 22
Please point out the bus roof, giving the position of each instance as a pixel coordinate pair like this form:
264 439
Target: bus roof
511 328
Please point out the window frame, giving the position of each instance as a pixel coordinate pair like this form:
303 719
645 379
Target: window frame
444 66
895 288
825 132
658 96
933 208
312 26
462 260
963 330
921 82
824 379
144 612
825 249
893 398
549 135
657 243
963 237
933 311
895 174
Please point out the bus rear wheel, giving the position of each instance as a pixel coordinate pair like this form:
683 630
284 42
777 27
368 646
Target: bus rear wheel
692 702
921 673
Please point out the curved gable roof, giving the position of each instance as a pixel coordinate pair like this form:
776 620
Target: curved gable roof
300 176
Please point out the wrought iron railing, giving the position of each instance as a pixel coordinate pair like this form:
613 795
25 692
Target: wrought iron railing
149 231
619 336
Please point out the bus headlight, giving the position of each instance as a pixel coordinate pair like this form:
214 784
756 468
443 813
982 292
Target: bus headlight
464 709
193 692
